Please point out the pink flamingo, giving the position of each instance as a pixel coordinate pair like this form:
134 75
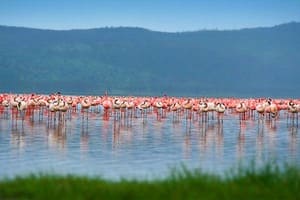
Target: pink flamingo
220 109
143 106
187 106
271 109
241 108
107 105
85 105
175 108
293 109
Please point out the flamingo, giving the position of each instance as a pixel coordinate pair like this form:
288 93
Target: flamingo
32 103
158 104
5 103
14 101
260 108
143 108
175 108
220 109
107 105
271 109
22 106
123 108
62 108
203 109
126 106
187 105
293 109
117 103
130 107
195 109
53 108
211 107
241 108
85 105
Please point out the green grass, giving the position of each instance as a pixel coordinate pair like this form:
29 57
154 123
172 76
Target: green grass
267 183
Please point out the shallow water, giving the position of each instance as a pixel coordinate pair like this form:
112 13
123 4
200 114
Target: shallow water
141 147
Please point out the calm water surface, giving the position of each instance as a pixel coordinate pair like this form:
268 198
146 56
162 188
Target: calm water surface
141 148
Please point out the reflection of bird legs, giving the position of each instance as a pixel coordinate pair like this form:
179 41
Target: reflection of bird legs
84 129
116 133
220 118
220 129
188 126
260 128
294 118
144 115
204 127
293 129
129 116
220 140
241 142
187 145
85 115
205 118
106 114
22 114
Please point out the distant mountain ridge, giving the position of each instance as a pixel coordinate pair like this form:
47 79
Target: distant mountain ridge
124 60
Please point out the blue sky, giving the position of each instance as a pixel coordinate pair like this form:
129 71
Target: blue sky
163 15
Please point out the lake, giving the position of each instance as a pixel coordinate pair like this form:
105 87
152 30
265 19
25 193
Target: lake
109 146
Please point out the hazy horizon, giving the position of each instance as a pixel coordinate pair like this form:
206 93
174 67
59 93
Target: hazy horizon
163 16
116 27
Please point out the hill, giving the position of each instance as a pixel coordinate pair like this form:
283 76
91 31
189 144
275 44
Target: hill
246 62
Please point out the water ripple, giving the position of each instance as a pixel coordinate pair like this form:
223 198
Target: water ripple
142 149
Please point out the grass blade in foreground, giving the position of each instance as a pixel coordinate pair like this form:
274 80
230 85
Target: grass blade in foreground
268 183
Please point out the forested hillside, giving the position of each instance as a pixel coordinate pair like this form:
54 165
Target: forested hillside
247 62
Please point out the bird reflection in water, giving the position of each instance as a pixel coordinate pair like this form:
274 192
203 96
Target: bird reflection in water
4 110
211 136
241 140
84 139
293 134
85 126
122 133
220 140
116 134
293 130
18 138
272 129
187 140
106 115
57 136
260 142
105 130
203 144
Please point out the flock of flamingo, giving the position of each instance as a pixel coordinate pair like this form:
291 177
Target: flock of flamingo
55 107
